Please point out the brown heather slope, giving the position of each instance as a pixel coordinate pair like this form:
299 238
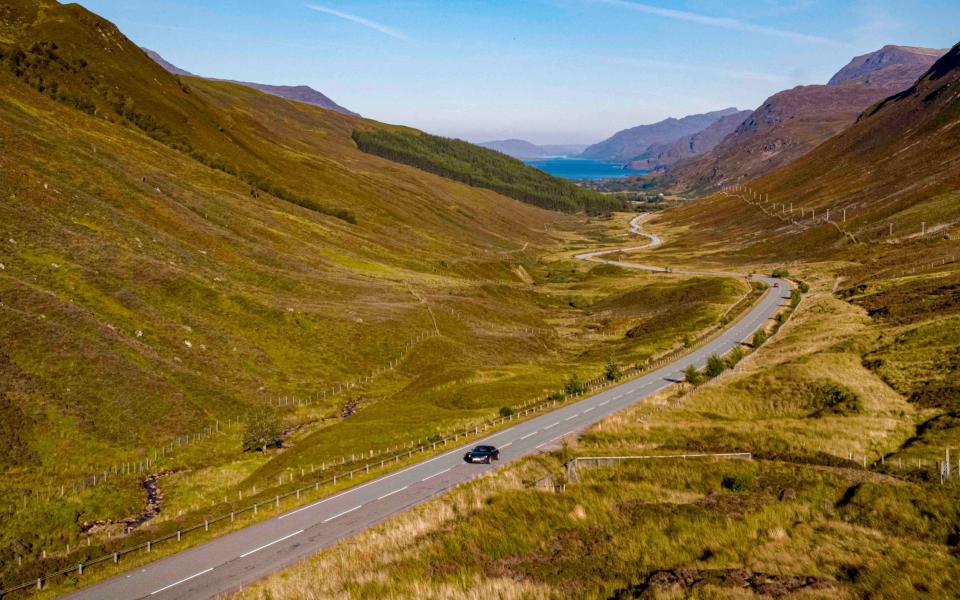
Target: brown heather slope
792 122
899 163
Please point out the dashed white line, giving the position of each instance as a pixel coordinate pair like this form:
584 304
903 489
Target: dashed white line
163 589
618 397
551 425
286 537
507 444
435 474
570 418
529 435
589 409
604 402
393 492
327 520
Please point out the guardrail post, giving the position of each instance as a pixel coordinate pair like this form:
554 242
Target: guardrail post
39 583
206 525
178 535
231 516
149 545
80 569
277 501
116 557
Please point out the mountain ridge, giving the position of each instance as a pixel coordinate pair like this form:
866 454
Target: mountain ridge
627 144
297 93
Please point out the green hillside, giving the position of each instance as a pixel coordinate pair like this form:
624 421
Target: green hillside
484 168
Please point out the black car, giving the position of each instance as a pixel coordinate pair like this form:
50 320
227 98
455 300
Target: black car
482 454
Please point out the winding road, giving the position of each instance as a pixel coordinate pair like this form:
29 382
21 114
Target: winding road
237 559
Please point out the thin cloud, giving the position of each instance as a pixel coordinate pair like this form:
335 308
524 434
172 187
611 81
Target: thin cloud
721 22
662 64
360 21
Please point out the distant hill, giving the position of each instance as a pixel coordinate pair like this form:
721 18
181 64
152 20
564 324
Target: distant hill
660 156
523 149
298 93
628 144
791 123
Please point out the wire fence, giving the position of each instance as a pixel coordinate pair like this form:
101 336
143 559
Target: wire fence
810 217
156 456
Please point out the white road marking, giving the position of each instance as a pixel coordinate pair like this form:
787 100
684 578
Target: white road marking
541 445
604 402
286 537
529 435
618 397
572 418
589 409
341 514
393 492
165 588
551 425
435 474
507 444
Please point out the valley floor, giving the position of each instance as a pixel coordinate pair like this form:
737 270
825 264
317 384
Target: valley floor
841 496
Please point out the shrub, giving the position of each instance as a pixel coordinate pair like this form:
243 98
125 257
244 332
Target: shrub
715 366
759 337
262 428
505 411
780 273
612 371
735 356
692 376
835 399
557 395
574 387
687 340
795 298
736 483
804 287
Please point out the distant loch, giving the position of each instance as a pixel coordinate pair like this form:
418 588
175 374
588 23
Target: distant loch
581 168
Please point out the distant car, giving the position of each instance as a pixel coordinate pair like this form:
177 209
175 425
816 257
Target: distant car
482 454
776 284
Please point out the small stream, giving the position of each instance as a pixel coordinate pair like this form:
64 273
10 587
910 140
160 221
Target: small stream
151 487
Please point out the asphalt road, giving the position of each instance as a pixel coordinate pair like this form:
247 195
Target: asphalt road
237 559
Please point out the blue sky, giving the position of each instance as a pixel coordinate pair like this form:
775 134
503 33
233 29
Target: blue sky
551 71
